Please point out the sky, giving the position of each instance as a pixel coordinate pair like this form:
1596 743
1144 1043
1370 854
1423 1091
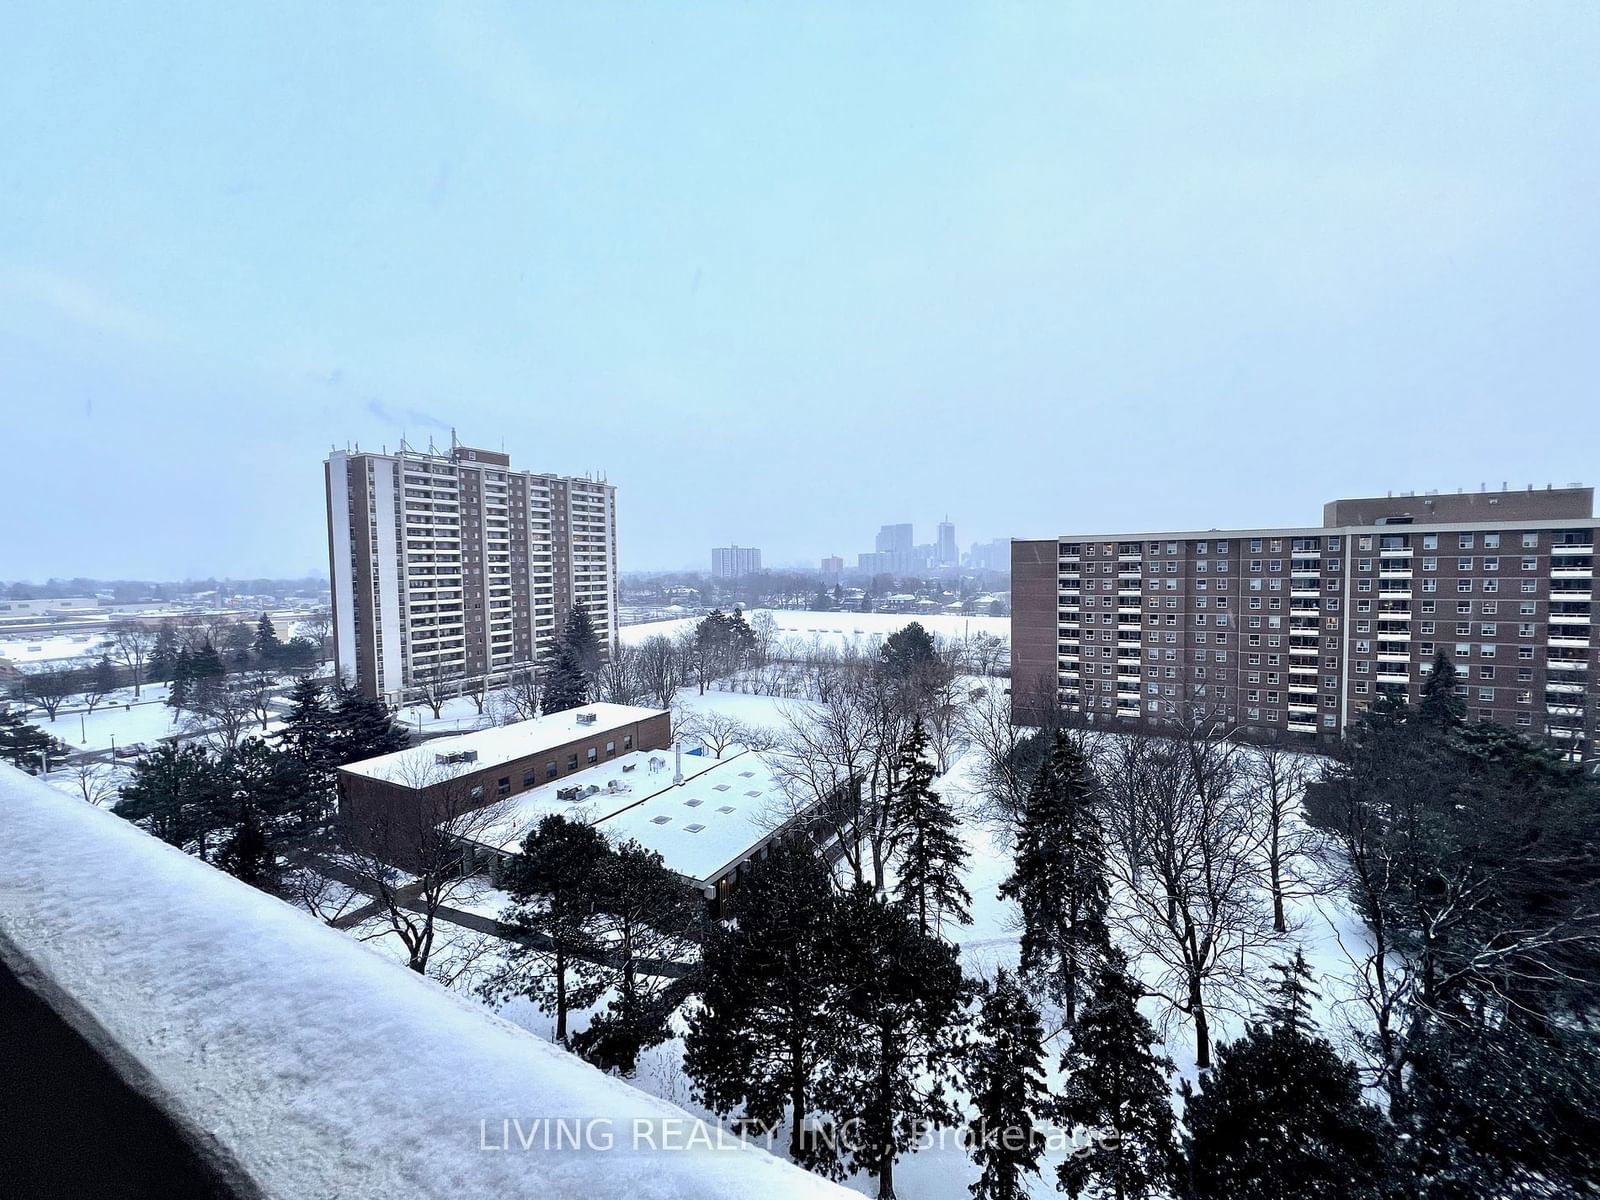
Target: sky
784 273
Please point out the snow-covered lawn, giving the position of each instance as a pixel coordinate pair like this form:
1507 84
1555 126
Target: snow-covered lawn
125 723
836 630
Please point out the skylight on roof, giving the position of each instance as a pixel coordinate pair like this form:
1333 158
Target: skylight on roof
693 828
753 795
696 803
722 787
659 820
747 774
726 808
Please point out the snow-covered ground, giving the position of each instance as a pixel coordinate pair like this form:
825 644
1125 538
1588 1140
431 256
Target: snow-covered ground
836 630
943 1171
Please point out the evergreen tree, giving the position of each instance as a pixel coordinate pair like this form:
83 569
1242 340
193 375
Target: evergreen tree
908 650
554 886
1116 1090
163 655
579 637
274 785
931 853
206 677
565 684
181 680
900 1033
363 727
27 746
103 680
768 992
247 855
1281 1114
742 641
1005 1078
1441 704
308 732
267 646
1059 877
180 795
646 912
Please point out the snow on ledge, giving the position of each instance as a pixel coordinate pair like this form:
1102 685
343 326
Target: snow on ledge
323 1067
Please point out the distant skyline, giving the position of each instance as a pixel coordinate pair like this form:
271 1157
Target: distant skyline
785 274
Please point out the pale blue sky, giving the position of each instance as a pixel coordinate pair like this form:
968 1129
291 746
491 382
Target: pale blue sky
786 272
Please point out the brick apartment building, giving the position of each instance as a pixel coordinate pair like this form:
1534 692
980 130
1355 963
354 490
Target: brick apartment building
453 566
1299 629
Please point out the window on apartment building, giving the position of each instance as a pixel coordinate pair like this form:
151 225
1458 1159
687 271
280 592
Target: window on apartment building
550 769
527 777
593 755
502 786
477 792
1530 540
572 762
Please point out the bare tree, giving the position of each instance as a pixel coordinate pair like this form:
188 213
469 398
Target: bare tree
411 856
818 758
717 730
1193 905
476 689
97 679
98 783
48 685
329 900
519 699
220 711
435 685
1275 779
1008 754
257 688
617 681
660 670
319 627
946 694
129 644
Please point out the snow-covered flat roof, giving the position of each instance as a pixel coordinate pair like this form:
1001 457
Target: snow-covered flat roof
507 743
710 821
603 790
724 808
323 1067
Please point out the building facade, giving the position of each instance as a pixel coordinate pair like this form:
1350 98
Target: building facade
1297 630
945 552
453 566
735 562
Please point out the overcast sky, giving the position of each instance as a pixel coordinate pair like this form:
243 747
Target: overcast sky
787 272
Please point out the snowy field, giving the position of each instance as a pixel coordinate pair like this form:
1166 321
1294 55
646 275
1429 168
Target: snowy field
836 630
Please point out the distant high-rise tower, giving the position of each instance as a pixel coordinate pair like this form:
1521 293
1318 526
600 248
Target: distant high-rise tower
948 555
734 562
832 569
453 566
894 539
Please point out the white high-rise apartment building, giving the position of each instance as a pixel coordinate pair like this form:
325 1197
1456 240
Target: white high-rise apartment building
735 562
453 567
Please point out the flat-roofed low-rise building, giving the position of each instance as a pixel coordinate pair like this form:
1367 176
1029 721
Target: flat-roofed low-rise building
469 770
1298 629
